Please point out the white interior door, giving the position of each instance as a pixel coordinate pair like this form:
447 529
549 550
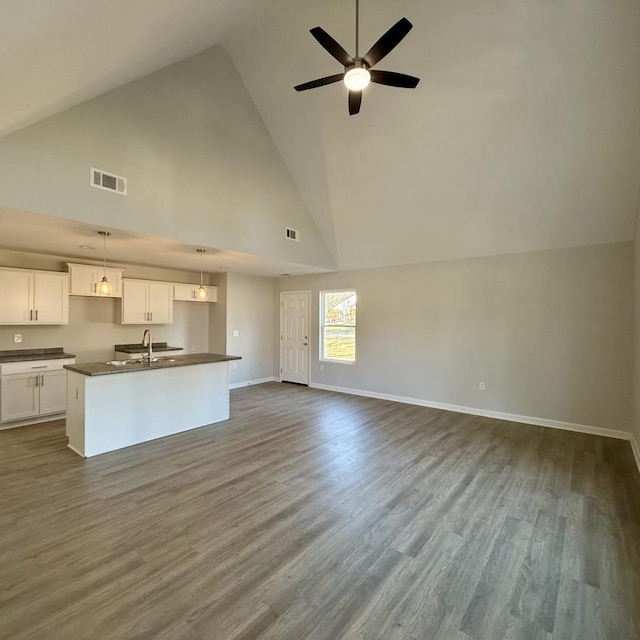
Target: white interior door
294 336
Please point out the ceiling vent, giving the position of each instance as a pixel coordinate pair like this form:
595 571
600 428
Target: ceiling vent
108 181
293 234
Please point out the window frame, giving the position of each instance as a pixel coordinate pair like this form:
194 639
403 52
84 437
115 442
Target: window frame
321 325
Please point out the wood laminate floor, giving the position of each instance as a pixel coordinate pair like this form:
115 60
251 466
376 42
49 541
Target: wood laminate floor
312 515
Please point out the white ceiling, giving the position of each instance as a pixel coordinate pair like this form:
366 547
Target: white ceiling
524 133
48 235
54 55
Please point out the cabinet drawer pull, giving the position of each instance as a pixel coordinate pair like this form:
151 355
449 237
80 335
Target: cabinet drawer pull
44 366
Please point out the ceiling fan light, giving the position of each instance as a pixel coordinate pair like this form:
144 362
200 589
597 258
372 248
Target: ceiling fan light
357 79
104 287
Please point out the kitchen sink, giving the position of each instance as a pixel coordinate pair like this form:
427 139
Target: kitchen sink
124 363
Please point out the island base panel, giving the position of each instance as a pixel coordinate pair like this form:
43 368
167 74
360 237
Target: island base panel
111 412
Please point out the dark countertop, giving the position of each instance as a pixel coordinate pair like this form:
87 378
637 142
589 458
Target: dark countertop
20 355
102 368
138 348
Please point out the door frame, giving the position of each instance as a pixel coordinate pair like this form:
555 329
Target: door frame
280 333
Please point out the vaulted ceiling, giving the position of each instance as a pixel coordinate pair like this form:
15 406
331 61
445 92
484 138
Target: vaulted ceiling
523 134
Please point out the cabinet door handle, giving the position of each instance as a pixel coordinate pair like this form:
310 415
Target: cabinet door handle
37 380
30 314
42 379
36 315
151 314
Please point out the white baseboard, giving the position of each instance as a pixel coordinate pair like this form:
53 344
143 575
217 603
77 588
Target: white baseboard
636 451
75 450
248 383
35 420
511 417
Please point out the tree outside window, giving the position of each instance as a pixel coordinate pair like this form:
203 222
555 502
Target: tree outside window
338 325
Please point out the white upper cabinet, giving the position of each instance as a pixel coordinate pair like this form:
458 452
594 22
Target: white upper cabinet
146 302
33 297
160 302
84 280
187 292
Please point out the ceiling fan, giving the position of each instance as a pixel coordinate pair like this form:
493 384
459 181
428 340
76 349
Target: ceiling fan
357 70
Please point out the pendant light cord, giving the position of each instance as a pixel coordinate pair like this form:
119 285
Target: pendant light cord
104 255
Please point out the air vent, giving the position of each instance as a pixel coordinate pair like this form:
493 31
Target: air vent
293 234
108 181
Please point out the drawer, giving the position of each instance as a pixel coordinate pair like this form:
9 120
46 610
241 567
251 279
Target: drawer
34 366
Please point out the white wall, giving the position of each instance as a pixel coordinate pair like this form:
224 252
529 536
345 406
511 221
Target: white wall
250 312
93 330
549 332
201 166
218 316
636 335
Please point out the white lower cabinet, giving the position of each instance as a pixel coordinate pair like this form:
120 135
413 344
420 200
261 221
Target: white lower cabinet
20 396
53 392
32 391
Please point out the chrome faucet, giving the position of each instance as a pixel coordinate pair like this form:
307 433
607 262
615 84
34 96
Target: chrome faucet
146 342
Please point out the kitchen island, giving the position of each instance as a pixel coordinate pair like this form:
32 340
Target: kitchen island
119 403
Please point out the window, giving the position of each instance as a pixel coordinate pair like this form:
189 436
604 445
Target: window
338 326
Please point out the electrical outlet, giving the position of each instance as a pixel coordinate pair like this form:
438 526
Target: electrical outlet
481 386
17 337
236 333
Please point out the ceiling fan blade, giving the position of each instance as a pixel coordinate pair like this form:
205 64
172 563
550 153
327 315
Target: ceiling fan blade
332 46
387 42
320 82
355 100
393 79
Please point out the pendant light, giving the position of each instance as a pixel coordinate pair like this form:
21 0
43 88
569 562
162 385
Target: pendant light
104 286
201 291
